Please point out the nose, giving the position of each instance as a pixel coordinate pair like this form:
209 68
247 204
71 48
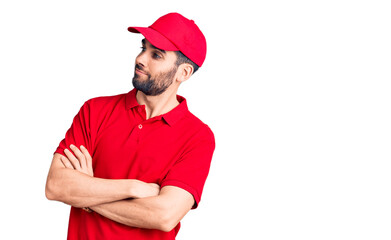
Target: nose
141 59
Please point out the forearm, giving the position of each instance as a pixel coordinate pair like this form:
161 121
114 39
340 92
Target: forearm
162 212
80 190
141 213
76 188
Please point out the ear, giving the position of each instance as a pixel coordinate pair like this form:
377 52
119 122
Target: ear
185 71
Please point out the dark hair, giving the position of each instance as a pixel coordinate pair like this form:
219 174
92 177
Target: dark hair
183 59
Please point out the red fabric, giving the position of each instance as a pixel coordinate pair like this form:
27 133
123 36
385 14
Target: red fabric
172 149
174 32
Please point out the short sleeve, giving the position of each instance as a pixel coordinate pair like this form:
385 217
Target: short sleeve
79 133
191 170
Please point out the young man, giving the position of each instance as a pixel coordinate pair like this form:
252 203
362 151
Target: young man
132 165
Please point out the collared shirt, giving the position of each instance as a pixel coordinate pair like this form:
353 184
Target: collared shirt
173 149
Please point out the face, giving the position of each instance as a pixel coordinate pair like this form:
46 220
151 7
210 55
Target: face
155 70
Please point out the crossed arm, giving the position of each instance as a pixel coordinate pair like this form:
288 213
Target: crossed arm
127 201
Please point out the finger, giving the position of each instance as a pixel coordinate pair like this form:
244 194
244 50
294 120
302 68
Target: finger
80 156
72 159
65 161
85 152
88 158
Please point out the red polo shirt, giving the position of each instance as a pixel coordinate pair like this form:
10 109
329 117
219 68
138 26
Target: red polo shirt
171 149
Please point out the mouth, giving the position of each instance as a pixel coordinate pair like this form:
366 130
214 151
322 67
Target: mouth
139 71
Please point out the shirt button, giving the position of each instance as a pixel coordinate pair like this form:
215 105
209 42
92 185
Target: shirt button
140 126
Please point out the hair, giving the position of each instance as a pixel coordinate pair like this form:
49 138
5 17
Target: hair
181 58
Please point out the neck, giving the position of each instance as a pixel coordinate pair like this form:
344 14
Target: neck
157 105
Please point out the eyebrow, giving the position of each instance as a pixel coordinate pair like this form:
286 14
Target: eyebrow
144 43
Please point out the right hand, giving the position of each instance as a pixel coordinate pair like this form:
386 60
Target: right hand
79 160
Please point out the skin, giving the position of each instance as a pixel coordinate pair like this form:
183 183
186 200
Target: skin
155 84
127 201
165 102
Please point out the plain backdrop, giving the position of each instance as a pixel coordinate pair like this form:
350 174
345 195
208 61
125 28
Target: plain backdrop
296 92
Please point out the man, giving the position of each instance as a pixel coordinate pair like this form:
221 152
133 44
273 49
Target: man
132 165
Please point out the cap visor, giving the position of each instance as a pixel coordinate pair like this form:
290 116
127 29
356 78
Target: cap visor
155 38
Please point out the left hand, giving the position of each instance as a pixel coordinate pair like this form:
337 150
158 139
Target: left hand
79 160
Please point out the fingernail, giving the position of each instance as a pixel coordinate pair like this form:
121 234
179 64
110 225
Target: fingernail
81 146
72 146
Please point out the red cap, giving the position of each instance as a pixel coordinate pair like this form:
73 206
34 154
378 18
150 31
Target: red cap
174 32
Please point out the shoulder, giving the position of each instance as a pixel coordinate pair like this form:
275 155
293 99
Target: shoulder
199 128
105 100
101 106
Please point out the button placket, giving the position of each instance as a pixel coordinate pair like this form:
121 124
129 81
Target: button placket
139 132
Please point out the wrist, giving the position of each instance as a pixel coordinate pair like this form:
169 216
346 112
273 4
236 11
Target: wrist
140 189
134 188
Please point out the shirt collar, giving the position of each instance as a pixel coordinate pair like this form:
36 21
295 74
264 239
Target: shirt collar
177 113
130 100
171 117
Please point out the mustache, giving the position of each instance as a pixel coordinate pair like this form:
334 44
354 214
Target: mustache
139 67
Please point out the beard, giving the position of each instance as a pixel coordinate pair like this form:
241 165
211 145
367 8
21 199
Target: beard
156 85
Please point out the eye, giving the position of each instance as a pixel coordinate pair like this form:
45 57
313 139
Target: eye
156 56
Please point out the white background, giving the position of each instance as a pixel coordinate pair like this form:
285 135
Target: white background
296 92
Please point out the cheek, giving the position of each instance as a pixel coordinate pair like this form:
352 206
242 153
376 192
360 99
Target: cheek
155 68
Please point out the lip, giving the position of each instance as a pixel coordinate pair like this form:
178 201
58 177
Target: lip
140 72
